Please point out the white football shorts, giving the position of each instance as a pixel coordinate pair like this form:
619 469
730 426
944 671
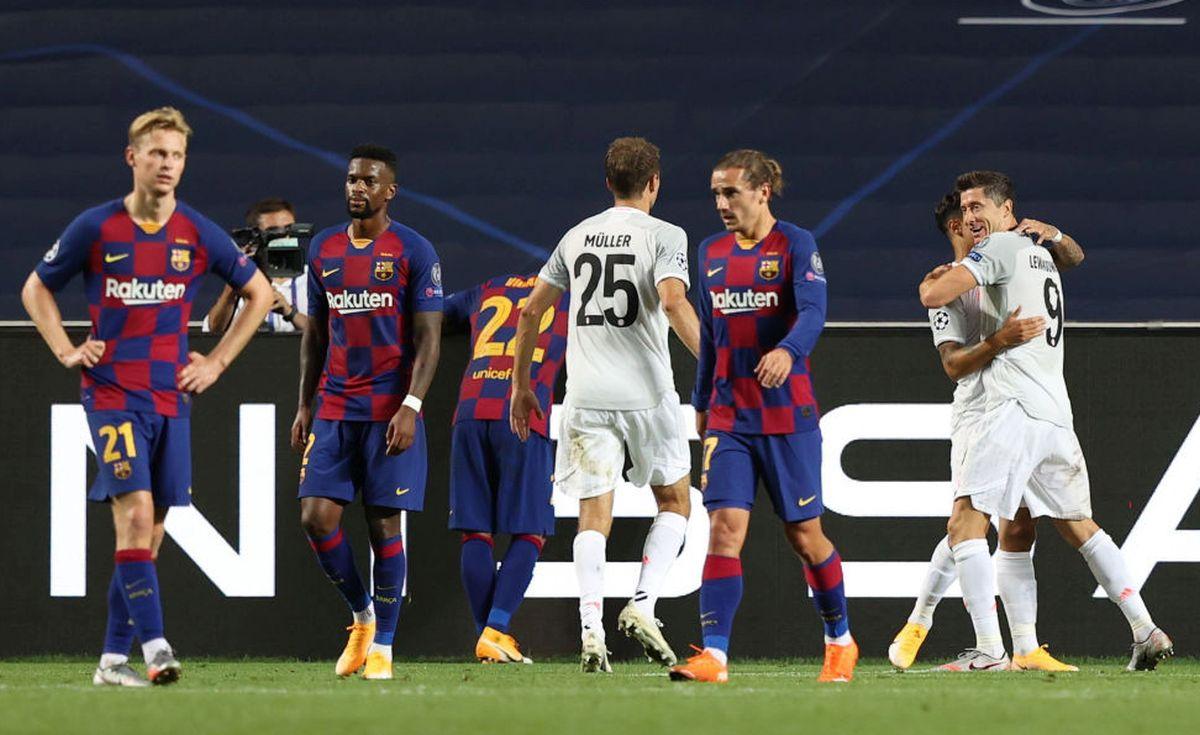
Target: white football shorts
1012 459
592 445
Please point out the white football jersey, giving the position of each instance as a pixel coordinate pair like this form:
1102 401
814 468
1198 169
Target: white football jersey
958 321
617 356
1014 271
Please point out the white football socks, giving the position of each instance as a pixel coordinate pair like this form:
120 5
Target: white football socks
664 541
1108 566
977 576
939 575
151 648
366 615
1018 591
589 570
380 648
112 659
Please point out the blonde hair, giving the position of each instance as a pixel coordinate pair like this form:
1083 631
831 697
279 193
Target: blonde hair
163 118
756 167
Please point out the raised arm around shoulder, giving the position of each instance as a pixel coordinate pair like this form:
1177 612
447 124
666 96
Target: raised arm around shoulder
1067 253
680 313
937 291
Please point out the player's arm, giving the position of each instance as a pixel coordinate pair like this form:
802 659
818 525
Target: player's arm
427 339
945 284
424 307
524 401
706 357
959 360
68 257
681 315
809 289
1065 251
42 307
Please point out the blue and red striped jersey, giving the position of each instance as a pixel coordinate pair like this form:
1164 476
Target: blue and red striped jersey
368 291
753 298
140 281
491 309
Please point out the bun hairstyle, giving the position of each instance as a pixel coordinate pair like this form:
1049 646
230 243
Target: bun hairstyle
757 168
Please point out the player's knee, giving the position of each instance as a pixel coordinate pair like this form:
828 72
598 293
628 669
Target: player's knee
315 523
808 541
724 537
1017 536
136 522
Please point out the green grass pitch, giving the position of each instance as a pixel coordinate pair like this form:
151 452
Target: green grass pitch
266 697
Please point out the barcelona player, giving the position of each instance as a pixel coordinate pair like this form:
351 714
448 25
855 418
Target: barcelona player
371 347
497 483
141 257
762 306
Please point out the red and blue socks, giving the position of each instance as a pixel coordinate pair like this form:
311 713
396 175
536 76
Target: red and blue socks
139 586
389 587
118 635
478 570
829 597
720 595
337 560
516 572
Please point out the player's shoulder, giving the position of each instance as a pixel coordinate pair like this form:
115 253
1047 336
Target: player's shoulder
413 241
203 225
318 240
93 218
724 238
797 236
1008 240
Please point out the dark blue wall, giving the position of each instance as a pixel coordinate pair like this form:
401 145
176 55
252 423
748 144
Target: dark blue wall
503 113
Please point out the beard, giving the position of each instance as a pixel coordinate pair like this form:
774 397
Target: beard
367 212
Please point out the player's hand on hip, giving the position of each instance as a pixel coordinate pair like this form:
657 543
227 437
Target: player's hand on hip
87 354
401 431
1041 230
300 428
701 422
1016 331
523 403
774 367
200 373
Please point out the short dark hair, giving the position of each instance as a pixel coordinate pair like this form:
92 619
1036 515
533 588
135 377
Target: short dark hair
269 205
374 152
629 165
946 210
996 186
757 168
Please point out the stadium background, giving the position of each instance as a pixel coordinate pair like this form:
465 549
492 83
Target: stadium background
500 113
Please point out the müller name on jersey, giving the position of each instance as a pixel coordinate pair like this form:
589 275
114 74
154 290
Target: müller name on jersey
601 240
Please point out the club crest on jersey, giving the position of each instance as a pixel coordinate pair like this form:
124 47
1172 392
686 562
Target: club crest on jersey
768 269
122 470
384 270
181 259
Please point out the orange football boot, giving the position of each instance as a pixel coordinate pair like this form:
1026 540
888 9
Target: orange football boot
839 662
702 667
355 653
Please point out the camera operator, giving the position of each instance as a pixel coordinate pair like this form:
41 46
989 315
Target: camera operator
291 294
